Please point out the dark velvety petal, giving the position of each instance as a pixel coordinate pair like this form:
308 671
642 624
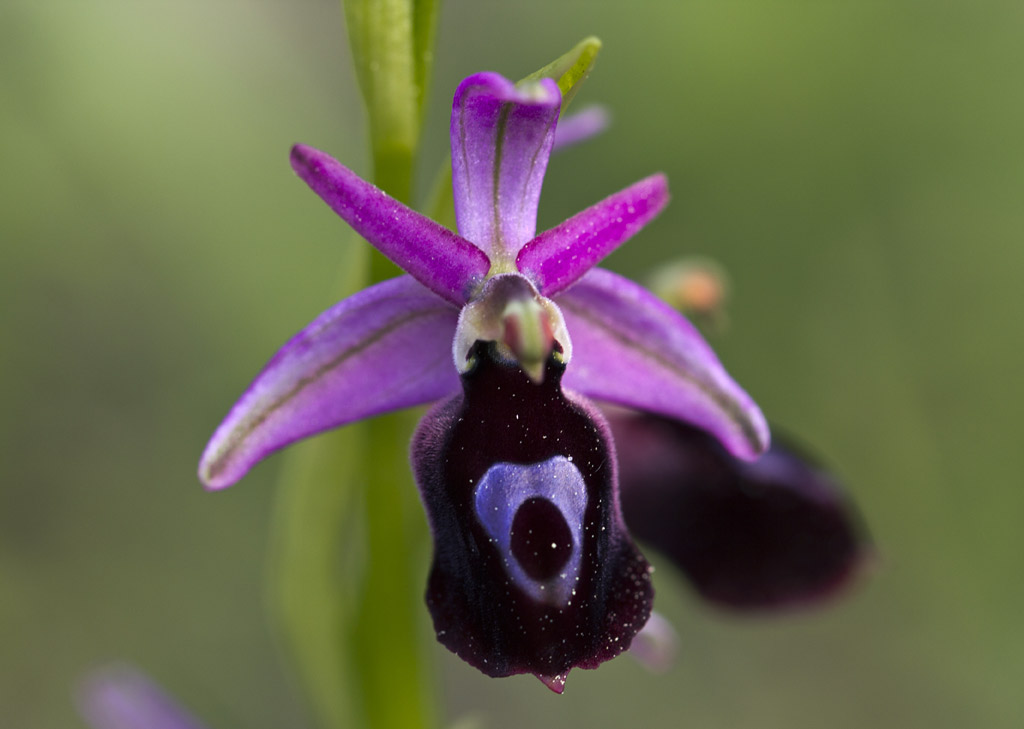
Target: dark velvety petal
385 348
533 570
773 533
558 257
446 264
501 137
634 350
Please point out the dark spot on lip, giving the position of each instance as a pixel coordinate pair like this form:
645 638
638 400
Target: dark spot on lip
541 540
490 618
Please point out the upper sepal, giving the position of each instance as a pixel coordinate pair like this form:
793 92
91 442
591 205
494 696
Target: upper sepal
385 348
501 138
533 569
774 533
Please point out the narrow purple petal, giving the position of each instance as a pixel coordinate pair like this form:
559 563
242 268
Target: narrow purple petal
580 126
557 258
501 137
446 264
630 348
385 348
120 697
770 534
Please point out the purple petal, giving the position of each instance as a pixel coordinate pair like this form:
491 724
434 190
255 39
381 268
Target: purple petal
533 569
385 348
120 697
656 646
501 138
774 533
630 348
556 258
580 126
446 264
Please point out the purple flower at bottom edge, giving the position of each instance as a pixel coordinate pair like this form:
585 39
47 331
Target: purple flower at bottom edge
120 696
534 571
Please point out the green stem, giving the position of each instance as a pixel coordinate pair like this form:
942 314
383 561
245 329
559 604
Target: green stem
388 630
392 46
310 587
350 544
393 169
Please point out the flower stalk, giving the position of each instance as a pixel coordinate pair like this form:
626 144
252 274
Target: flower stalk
392 46
353 626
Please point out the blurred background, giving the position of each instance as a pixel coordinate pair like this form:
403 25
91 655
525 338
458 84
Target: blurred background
858 168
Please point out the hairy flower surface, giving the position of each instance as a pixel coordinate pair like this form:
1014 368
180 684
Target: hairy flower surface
767 535
510 332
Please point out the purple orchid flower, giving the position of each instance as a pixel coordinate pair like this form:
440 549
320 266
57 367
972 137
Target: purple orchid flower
534 570
122 697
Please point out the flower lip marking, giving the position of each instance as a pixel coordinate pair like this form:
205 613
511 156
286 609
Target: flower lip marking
510 453
525 509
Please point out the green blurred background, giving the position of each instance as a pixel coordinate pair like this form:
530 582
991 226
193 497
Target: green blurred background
858 167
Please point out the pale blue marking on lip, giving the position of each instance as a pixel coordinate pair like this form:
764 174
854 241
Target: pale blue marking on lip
506 487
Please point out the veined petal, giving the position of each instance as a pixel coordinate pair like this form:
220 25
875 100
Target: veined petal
446 264
385 348
501 137
120 697
630 348
775 533
557 258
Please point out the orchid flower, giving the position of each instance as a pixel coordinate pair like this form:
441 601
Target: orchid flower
511 333
122 697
